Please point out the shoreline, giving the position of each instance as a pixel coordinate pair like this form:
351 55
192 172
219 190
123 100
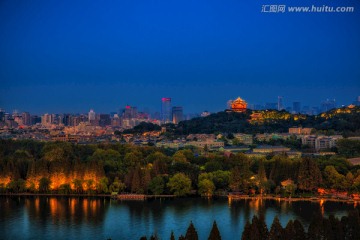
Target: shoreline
136 197
293 199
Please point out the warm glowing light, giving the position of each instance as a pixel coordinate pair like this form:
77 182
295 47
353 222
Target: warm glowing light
238 105
5 180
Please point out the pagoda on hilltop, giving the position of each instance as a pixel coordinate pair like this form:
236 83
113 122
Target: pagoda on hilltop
238 105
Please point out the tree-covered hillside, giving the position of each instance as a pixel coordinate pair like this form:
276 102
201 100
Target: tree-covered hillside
343 120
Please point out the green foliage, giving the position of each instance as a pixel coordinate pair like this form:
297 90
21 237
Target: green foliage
143 127
179 184
44 185
65 189
17 186
157 185
117 186
147 169
309 176
78 185
103 185
348 148
333 179
206 187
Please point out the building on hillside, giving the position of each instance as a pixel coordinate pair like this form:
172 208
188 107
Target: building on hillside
209 144
246 139
238 105
300 131
354 161
320 142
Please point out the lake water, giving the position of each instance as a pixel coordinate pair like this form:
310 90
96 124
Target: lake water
99 218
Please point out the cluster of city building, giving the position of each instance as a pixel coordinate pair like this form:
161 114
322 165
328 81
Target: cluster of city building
297 106
125 118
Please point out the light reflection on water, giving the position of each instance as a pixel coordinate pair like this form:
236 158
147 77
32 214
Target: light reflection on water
98 218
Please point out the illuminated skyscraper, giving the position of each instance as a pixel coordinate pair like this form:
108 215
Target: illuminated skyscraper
166 110
91 115
177 114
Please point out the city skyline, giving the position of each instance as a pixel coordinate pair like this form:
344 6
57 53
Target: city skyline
65 57
322 106
294 107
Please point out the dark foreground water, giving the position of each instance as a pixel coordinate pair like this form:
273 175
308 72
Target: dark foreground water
97 218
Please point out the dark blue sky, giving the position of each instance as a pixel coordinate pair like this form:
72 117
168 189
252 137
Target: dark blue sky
60 56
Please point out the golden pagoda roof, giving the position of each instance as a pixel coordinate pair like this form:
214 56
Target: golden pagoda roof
238 105
239 99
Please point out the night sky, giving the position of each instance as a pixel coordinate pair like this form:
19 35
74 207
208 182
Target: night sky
60 56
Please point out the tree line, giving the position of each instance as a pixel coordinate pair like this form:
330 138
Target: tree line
58 167
331 228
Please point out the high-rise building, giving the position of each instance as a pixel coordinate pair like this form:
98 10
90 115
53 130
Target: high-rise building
46 119
104 120
66 119
92 115
296 107
280 103
26 118
35 119
91 118
130 112
75 121
177 114
116 121
166 110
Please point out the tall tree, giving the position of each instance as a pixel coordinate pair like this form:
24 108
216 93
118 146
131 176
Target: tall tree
316 229
309 176
156 185
299 231
214 233
136 181
262 176
191 233
246 235
276 230
289 231
352 225
172 237
254 230
44 185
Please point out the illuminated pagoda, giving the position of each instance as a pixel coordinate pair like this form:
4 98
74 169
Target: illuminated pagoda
238 105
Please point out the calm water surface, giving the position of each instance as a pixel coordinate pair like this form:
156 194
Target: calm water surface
97 218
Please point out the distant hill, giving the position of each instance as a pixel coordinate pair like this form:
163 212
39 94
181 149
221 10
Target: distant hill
345 120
